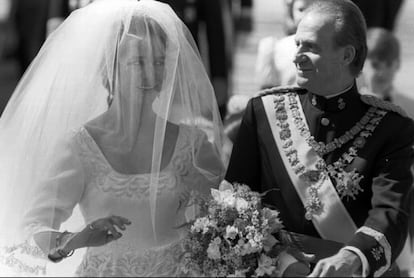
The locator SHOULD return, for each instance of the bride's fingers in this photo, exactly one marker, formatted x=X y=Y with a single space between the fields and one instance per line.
x=122 y=219
x=112 y=231
x=105 y=228
x=120 y=222
x=110 y=236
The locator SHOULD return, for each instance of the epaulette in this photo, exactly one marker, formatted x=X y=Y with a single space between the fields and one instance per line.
x=386 y=105
x=281 y=90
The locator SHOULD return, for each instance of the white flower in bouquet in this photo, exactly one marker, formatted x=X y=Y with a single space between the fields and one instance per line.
x=202 y=225
x=213 y=250
x=266 y=266
x=241 y=204
x=225 y=198
x=231 y=232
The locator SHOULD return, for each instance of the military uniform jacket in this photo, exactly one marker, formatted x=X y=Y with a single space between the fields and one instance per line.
x=380 y=211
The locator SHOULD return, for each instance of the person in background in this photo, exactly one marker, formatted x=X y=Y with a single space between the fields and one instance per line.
x=335 y=163
x=289 y=26
x=60 y=9
x=274 y=63
x=380 y=13
x=209 y=21
x=30 y=19
x=22 y=34
x=9 y=69
x=242 y=11
x=5 y=8
x=382 y=65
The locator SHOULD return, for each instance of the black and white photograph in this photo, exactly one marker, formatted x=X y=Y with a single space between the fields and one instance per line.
x=206 y=138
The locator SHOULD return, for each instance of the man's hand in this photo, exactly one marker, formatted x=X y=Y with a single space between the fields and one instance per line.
x=299 y=264
x=344 y=264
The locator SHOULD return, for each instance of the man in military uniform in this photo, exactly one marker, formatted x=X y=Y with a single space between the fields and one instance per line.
x=336 y=164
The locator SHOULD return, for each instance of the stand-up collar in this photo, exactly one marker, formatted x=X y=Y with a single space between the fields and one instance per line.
x=337 y=103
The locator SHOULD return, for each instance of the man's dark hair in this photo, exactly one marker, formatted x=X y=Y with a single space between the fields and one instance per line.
x=382 y=45
x=350 y=27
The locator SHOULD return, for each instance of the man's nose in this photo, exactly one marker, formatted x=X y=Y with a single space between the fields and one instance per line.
x=299 y=58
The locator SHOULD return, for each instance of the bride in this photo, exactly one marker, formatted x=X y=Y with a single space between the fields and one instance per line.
x=109 y=138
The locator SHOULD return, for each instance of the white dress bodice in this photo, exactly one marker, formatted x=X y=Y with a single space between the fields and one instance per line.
x=84 y=177
x=109 y=192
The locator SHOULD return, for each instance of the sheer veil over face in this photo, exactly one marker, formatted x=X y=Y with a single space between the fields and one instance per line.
x=128 y=72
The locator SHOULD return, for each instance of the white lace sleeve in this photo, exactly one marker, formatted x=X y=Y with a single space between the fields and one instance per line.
x=59 y=191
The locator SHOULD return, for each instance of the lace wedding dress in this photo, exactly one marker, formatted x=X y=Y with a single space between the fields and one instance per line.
x=101 y=191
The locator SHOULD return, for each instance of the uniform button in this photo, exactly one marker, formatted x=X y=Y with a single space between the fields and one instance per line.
x=325 y=121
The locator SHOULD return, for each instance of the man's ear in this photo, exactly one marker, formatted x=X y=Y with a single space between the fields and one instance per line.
x=349 y=54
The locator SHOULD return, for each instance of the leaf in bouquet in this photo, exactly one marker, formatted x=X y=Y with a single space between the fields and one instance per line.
x=268 y=242
x=264 y=193
x=250 y=261
x=225 y=185
x=270 y=206
x=240 y=224
x=209 y=268
x=273 y=220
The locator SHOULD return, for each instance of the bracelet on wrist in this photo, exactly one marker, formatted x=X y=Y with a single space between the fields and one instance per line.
x=58 y=253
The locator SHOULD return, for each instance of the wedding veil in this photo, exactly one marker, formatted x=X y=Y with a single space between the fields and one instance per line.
x=102 y=69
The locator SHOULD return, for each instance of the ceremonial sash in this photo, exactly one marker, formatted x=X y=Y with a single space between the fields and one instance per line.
x=333 y=223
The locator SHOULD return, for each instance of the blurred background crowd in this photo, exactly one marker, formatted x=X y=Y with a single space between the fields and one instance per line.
x=228 y=33
x=25 y=24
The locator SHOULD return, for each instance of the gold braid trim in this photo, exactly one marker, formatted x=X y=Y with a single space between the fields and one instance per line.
x=280 y=90
x=386 y=105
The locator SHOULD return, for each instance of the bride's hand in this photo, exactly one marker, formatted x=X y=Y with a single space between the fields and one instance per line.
x=103 y=231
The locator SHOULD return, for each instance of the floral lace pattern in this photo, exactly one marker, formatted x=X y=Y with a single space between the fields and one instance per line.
x=108 y=180
x=161 y=261
x=22 y=259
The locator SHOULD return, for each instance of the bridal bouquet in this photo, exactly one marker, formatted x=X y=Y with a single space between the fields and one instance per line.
x=234 y=238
